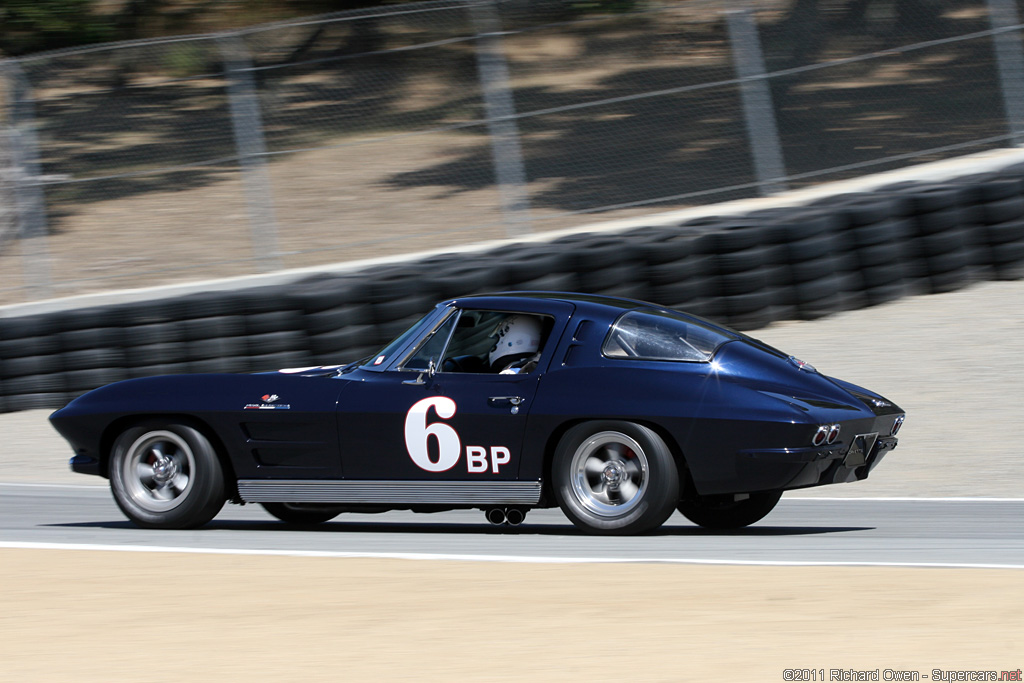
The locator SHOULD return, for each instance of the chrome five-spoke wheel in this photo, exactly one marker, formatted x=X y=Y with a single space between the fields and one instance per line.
x=166 y=475
x=157 y=470
x=613 y=477
x=610 y=474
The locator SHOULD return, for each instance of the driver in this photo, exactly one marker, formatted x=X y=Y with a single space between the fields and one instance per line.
x=517 y=345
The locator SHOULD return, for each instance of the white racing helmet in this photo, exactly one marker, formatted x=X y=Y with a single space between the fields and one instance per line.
x=518 y=337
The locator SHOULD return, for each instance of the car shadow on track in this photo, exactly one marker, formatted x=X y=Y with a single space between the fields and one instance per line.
x=470 y=529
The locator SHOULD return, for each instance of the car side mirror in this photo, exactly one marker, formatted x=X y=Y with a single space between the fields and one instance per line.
x=429 y=372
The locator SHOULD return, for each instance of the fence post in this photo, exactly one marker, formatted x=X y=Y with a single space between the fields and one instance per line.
x=501 y=123
x=252 y=150
x=1010 y=57
x=758 y=111
x=24 y=181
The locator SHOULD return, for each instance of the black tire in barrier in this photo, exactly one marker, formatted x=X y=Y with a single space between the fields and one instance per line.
x=746 y=282
x=670 y=247
x=93 y=338
x=36 y=401
x=396 y=282
x=409 y=305
x=217 y=347
x=746 y=259
x=552 y=282
x=270 y=362
x=155 y=354
x=30 y=346
x=938 y=197
x=207 y=305
x=1001 y=233
x=277 y=342
x=1008 y=253
x=230 y=364
x=675 y=295
x=470 y=278
x=52 y=383
x=88 y=359
x=337 y=318
x=160 y=369
x=884 y=232
x=343 y=338
x=735 y=238
x=323 y=293
x=991 y=187
x=868 y=209
x=1003 y=210
x=940 y=221
x=28 y=326
x=525 y=262
x=817 y=247
x=153 y=333
x=610 y=276
x=215 y=326
x=273 y=321
x=31 y=365
x=81 y=381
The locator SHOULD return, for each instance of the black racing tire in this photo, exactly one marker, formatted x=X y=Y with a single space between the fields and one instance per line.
x=166 y=476
x=1002 y=211
x=301 y=514
x=1010 y=253
x=1011 y=231
x=936 y=197
x=29 y=346
x=614 y=478
x=215 y=347
x=94 y=338
x=155 y=354
x=724 y=512
x=154 y=333
x=274 y=321
x=215 y=326
x=552 y=282
x=32 y=365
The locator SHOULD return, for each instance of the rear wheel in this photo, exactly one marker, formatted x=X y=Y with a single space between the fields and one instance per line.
x=725 y=512
x=302 y=514
x=614 y=477
x=166 y=476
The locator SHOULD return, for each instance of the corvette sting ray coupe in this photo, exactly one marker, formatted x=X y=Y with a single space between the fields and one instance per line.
x=617 y=411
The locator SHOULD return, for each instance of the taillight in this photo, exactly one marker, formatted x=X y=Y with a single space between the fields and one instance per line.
x=820 y=436
x=833 y=434
x=896 y=425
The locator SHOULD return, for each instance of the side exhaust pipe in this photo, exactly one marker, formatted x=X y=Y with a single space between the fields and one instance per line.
x=515 y=516
x=495 y=516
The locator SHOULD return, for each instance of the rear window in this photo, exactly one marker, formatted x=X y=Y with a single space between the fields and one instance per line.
x=662 y=335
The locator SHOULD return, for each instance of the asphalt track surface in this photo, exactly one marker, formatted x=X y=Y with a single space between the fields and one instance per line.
x=800 y=531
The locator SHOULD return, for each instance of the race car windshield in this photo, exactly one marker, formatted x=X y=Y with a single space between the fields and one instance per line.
x=662 y=335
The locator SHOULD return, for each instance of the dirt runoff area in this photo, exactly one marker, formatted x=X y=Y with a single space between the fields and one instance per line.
x=91 y=616
x=955 y=362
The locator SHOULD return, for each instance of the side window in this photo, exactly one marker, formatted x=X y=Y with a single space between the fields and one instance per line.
x=496 y=342
x=432 y=346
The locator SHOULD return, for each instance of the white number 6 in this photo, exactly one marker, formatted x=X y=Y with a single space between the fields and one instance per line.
x=418 y=433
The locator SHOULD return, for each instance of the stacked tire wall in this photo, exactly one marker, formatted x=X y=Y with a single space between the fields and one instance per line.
x=840 y=253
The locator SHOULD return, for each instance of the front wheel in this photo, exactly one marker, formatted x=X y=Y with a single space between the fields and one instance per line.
x=301 y=514
x=614 y=477
x=166 y=476
x=725 y=512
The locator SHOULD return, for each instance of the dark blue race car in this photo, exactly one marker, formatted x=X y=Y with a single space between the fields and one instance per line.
x=617 y=411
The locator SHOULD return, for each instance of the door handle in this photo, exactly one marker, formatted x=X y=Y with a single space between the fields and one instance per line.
x=503 y=400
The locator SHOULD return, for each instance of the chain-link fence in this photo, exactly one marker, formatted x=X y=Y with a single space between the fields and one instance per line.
x=428 y=125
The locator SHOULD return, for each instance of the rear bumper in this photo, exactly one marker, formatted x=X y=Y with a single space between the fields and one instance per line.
x=804 y=467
